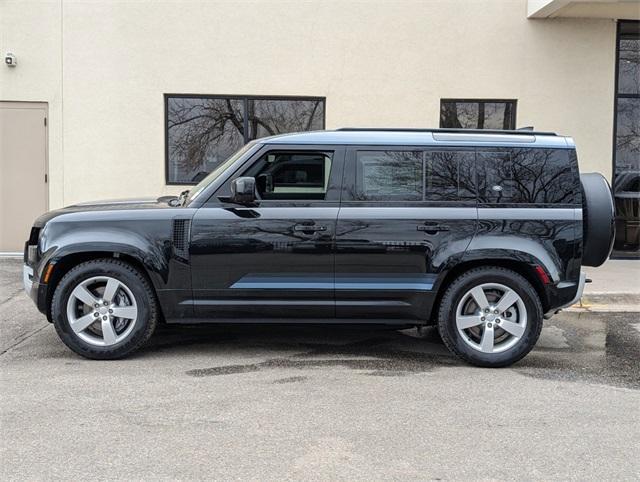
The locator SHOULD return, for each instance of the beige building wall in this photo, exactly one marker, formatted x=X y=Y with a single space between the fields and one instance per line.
x=103 y=67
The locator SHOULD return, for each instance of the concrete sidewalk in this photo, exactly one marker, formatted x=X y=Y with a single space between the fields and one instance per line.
x=615 y=286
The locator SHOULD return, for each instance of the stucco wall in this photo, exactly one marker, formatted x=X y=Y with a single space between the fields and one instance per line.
x=104 y=66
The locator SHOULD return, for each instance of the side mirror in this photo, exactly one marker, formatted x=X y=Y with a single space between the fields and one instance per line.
x=243 y=190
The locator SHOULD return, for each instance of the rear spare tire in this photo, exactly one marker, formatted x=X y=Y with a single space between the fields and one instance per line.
x=598 y=219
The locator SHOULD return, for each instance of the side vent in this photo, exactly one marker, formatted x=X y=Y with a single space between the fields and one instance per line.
x=181 y=232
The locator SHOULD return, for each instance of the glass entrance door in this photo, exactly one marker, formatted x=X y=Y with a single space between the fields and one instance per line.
x=626 y=155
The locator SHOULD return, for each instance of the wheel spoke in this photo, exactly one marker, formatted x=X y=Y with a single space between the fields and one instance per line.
x=510 y=327
x=108 y=332
x=82 y=323
x=110 y=289
x=486 y=344
x=84 y=295
x=507 y=300
x=467 y=321
x=129 y=312
x=479 y=297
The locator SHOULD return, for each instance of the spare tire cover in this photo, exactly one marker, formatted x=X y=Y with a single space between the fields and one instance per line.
x=598 y=219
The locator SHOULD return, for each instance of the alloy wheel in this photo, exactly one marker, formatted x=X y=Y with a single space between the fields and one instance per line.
x=491 y=318
x=102 y=311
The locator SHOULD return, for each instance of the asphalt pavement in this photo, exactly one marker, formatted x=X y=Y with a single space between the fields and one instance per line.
x=317 y=403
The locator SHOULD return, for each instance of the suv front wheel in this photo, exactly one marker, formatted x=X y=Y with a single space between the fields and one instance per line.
x=104 y=309
x=490 y=317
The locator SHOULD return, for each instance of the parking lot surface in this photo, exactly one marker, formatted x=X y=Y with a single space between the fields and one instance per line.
x=317 y=403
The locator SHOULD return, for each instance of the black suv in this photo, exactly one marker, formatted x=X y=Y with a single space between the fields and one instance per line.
x=481 y=233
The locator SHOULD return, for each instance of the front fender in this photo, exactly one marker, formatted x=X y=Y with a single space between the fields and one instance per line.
x=153 y=253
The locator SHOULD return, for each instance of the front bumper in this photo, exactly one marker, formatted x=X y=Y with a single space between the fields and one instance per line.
x=37 y=291
x=27 y=278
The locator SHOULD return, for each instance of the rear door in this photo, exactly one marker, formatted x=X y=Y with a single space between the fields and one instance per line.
x=405 y=214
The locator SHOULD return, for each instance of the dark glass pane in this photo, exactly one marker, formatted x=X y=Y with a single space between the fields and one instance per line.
x=271 y=117
x=530 y=176
x=495 y=176
x=389 y=176
x=202 y=133
x=628 y=135
x=629 y=66
x=477 y=115
x=459 y=115
x=449 y=176
x=292 y=175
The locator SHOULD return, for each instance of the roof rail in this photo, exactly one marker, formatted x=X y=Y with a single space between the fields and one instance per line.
x=447 y=130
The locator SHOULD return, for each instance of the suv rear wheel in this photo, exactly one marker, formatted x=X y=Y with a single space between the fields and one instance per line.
x=490 y=317
x=104 y=309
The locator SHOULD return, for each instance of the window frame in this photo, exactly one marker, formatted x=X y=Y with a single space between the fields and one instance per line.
x=334 y=187
x=514 y=110
x=245 y=103
x=617 y=95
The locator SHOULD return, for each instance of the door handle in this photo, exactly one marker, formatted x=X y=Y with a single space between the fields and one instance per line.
x=432 y=228
x=309 y=228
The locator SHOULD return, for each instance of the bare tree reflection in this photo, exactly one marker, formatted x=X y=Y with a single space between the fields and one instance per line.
x=476 y=115
x=204 y=131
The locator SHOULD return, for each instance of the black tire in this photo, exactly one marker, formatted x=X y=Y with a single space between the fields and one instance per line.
x=137 y=283
x=598 y=219
x=460 y=287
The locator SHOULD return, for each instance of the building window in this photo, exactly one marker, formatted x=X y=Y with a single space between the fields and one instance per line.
x=626 y=151
x=477 y=114
x=202 y=131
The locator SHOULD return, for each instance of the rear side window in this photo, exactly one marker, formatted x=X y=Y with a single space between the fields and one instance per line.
x=389 y=176
x=526 y=176
x=424 y=175
x=450 y=175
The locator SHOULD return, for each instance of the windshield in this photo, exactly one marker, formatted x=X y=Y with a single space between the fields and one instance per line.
x=198 y=188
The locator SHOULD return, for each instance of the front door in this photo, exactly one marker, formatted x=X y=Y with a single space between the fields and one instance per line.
x=275 y=259
x=404 y=213
x=23 y=170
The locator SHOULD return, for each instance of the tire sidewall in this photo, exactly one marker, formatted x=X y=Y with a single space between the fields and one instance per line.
x=447 y=318
x=133 y=280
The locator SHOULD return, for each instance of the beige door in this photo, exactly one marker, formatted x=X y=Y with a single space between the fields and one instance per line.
x=23 y=170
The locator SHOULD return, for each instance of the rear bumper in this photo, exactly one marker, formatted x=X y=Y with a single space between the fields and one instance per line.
x=581 y=283
x=566 y=301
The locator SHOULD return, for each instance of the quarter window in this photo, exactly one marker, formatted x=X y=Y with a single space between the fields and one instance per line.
x=203 y=131
x=529 y=176
x=477 y=114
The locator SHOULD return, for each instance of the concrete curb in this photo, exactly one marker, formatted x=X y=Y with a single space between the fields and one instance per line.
x=608 y=302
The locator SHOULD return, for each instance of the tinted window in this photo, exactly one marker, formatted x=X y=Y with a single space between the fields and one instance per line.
x=478 y=114
x=540 y=176
x=389 y=176
x=203 y=131
x=292 y=175
x=449 y=175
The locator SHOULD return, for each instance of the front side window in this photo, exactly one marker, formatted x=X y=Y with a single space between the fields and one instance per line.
x=292 y=175
x=203 y=131
x=477 y=114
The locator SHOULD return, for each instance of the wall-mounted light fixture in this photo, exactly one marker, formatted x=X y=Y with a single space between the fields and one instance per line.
x=10 y=59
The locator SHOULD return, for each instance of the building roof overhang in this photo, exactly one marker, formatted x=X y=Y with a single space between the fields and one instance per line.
x=613 y=9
